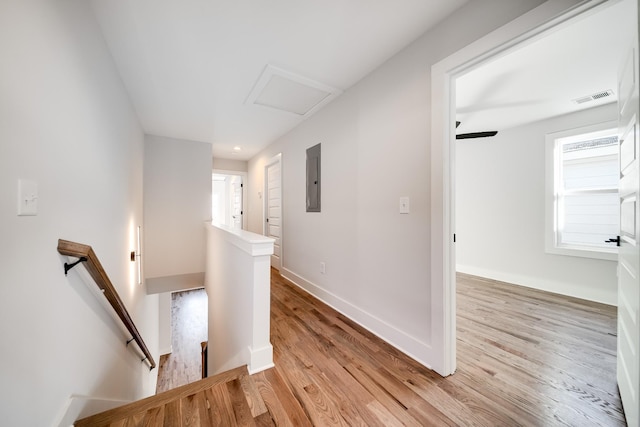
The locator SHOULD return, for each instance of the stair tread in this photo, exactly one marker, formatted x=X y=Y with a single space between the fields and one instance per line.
x=151 y=406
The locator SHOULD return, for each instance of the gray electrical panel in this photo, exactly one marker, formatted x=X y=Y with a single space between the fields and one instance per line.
x=313 y=179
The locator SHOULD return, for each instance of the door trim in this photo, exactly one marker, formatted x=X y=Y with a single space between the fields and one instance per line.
x=272 y=161
x=524 y=29
x=244 y=176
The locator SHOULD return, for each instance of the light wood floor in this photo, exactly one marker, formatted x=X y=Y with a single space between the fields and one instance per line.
x=536 y=358
x=524 y=358
x=188 y=330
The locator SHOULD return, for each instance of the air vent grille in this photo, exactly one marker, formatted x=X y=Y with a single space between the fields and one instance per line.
x=602 y=94
x=593 y=97
x=583 y=100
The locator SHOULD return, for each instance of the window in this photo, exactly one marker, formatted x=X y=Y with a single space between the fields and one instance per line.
x=582 y=186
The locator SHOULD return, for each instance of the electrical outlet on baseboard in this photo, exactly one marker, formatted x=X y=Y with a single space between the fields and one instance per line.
x=323 y=268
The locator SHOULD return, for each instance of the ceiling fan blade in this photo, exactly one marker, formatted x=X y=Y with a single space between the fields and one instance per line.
x=476 y=135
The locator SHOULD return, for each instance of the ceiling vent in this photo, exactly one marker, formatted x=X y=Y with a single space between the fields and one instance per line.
x=593 y=97
x=286 y=91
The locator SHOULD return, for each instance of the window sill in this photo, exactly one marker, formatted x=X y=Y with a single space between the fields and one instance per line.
x=604 y=254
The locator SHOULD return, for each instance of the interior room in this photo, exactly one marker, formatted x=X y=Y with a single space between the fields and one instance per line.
x=300 y=165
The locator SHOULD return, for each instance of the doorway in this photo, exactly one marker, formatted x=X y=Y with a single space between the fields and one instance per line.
x=228 y=198
x=506 y=220
x=273 y=223
x=524 y=30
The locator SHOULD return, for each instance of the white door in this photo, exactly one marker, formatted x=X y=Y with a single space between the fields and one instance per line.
x=628 y=353
x=236 y=202
x=227 y=199
x=273 y=205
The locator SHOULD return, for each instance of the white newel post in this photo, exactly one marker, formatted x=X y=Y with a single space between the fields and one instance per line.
x=238 y=284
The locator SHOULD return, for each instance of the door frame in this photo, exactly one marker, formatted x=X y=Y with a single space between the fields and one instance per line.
x=627 y=358
x=272 y=161
x=525 y=29
x=244 y=176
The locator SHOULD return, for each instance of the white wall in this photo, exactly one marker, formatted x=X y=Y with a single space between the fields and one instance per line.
x=229 y=165
x=238 y=290
x=375 y=149
x=165 y=337
x=66 y=122
x=220 y=201
x=500 y=212
x=177 y=202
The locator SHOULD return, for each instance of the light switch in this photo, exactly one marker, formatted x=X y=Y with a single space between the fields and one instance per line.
x=27 y=197
x=404 y=205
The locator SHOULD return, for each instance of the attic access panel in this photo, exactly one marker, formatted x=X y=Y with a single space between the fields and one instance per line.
x=313 y=179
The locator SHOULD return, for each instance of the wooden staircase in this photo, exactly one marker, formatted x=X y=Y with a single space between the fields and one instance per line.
x=227 y=399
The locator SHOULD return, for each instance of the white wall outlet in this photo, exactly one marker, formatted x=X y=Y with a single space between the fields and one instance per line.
x=323 y=268
x=404 y=205
x=27 y=197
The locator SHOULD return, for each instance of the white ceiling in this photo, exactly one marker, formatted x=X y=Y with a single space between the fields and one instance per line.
x=540 y=80
x=190 y=65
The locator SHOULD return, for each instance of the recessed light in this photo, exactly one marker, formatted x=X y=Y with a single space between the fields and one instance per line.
x=237 y=149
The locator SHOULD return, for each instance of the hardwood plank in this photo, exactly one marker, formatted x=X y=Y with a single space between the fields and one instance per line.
x=562 y=358
x=213 y=411
x=105 y=418
x=506 y=386
x=188 y=330
x=190 y=411
x=136 y=420
x=252 y=395
x=243 y=416
x=154 y=417
x=220 y=407
x=284 y=407
x=264 y=420
x=525 y=357
x=383 y=415
x=353 y=397
x=322 y=410
x=172 y=413
x=383 y=396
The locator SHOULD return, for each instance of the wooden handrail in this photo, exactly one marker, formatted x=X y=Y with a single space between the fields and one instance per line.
x=98 y=274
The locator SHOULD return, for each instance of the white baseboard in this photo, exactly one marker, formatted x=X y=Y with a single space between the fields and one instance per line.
x=260 y=359
x=166 y=350
x=556 y=287
x=409 y=345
